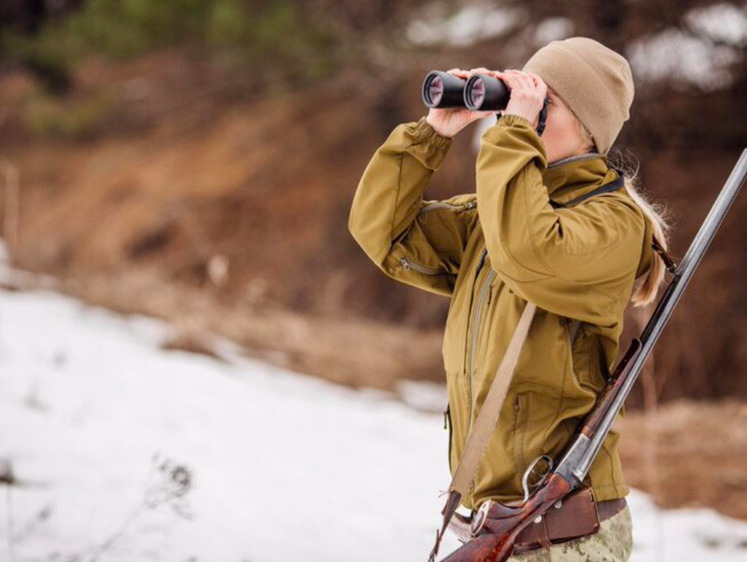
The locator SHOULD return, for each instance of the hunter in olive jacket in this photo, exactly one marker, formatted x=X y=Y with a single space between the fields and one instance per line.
x=490 y=252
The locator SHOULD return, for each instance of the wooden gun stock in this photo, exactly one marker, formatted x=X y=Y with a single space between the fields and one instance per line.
x=495 y=541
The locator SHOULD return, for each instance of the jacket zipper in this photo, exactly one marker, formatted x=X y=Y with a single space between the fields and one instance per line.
x=408 y=265
x=519 y=434
x=447 y=421
x=475 y=326
x=445 y=205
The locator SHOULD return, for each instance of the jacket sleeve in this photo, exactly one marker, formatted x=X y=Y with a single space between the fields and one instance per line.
x=416 y=241
x=577 y=262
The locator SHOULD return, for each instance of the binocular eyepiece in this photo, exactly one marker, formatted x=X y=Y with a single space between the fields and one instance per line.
x=480 y=92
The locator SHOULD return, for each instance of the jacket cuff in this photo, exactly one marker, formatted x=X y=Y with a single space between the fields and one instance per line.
x=424 y=132
x=427 y=145
x=513 y=119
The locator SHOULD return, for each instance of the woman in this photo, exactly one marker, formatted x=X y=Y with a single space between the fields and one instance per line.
x=513 y=241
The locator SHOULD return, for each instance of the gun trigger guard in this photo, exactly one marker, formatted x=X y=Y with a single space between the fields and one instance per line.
x=528 y=472
x=480 y=516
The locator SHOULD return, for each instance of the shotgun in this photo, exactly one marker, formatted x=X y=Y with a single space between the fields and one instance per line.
x=495 y=540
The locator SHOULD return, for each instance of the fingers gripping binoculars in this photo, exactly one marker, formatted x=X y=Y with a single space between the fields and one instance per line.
x=480 y=92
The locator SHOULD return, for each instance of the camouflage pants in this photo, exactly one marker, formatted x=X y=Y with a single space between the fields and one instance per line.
x=612 y=543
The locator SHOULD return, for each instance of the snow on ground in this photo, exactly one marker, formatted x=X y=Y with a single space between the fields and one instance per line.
x=281 y=466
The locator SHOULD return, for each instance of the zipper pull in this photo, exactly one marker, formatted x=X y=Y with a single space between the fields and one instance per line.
x=470 y=204
x=405 y=264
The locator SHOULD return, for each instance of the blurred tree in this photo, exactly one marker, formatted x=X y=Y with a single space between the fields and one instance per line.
x=25 y=19
x=273 y=38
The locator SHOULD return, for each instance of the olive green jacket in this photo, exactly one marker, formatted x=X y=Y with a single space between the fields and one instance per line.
x=490 y=252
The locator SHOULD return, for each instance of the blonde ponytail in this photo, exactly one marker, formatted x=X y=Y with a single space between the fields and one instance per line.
x=647 y=285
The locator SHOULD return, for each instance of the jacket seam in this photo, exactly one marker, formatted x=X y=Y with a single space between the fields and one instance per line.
x=526 y=224
x=396 y=199
x=525 y=419
x=515 y=259
x=562 y=391
x=612 y=464
x=590 y=353
x=560 y=402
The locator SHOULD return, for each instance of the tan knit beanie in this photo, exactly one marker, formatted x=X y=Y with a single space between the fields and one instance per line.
x=594 y=81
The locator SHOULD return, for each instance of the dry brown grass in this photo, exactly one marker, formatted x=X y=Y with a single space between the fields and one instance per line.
x=689 y=454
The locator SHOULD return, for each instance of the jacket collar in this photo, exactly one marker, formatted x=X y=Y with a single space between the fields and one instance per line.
x=576 y=175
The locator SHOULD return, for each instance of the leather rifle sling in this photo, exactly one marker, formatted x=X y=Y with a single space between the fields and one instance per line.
x=486 y=421
x=491 y=408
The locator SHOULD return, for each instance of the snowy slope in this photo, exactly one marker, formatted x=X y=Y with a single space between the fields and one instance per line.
x=283 y=466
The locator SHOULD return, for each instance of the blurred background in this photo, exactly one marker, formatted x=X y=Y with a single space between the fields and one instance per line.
x=194 y=161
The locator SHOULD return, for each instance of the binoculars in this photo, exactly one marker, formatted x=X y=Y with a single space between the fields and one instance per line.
x=480 y=92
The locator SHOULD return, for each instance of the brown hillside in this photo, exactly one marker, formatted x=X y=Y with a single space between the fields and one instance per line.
x=222 y=211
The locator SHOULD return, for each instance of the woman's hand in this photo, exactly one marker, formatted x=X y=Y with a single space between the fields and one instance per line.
x=449 y=121
x=528 y=93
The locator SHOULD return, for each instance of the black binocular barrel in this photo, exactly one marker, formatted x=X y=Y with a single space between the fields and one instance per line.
x=441 y=89
x=478 y=93
x=485 y=93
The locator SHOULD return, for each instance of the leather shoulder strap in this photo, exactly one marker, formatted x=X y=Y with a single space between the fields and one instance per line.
x=486 y=421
